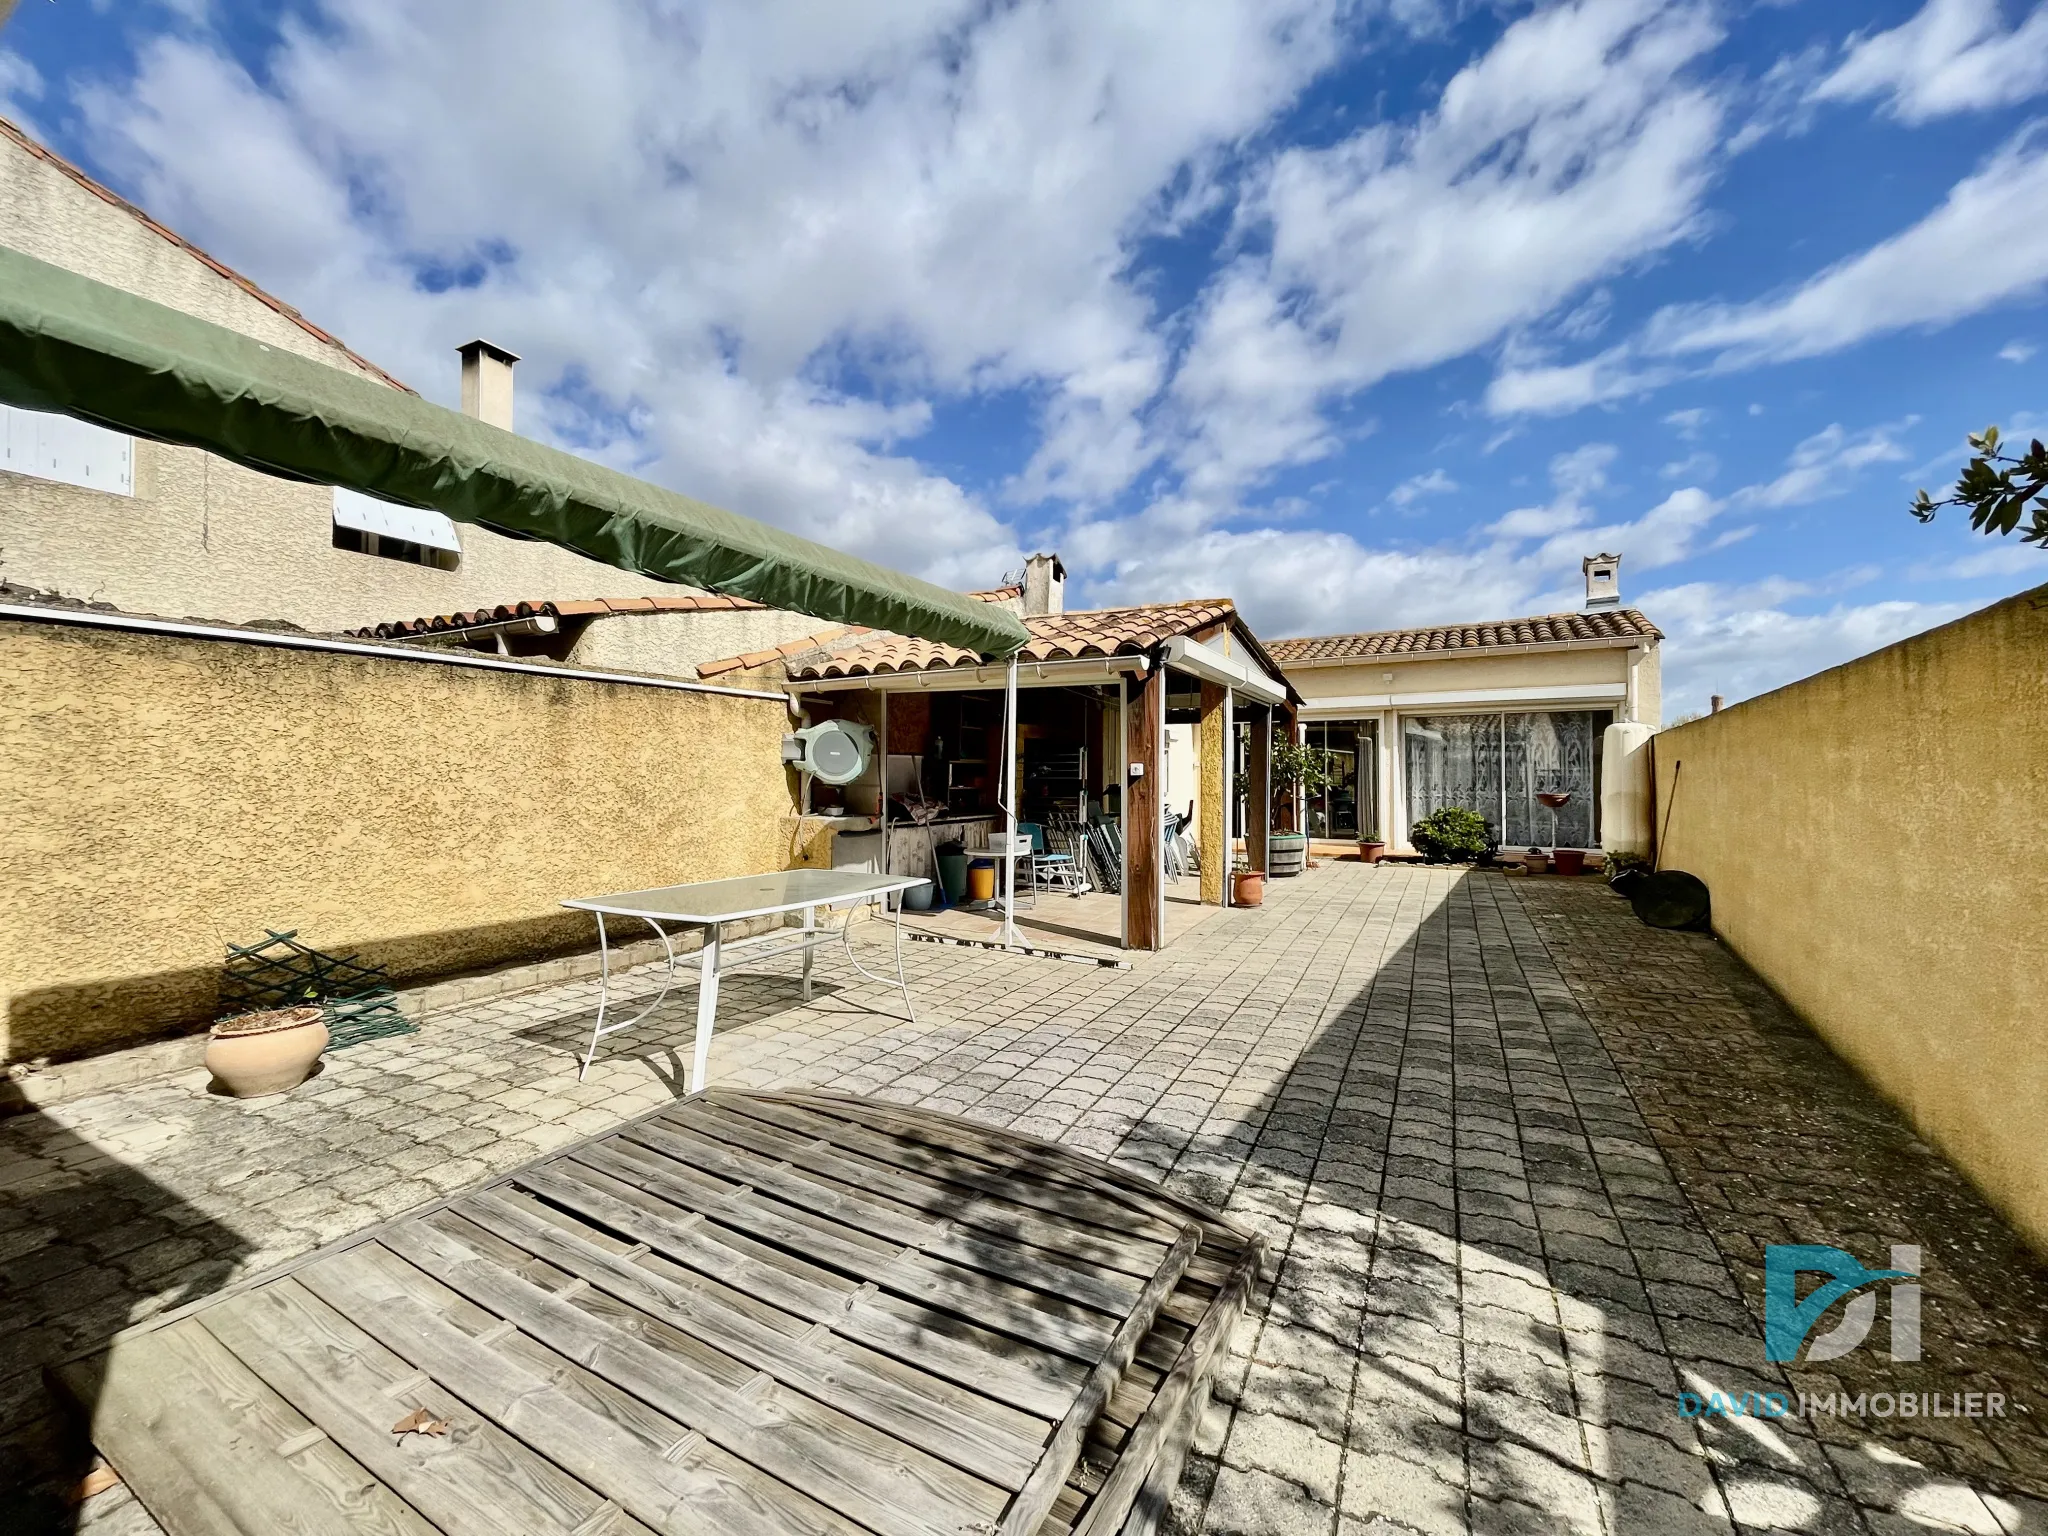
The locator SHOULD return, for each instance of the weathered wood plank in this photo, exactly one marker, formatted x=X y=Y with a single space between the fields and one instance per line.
x=1166 y=1428
x=1025 y=1378
x=691 y=1495
x=1004 y=1151
x=199 y=1435
x=1108 y=1215
x=1001 y=1151
x=1042 y=1320
x=476 y=1481
x=889 y=1485
x=868 y=1213
x=967 y=1429
x=1126 y=1253
x=1035 y=1500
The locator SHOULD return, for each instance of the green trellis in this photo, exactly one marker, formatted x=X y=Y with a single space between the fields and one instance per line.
x=280 y=972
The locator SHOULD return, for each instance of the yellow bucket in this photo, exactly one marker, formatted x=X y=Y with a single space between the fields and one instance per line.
x=981 y=881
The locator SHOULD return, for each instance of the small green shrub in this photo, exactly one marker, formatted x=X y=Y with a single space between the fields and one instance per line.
x=1451 y=836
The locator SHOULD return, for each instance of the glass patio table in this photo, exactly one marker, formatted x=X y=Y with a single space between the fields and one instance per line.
x=709 y=905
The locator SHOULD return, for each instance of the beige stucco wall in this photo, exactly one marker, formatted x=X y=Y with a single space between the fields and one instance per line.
x=1871 y=837
x=1539 y=678
x=166 y=796
x=202 y=538
x=1485 y=670
x=676 y=644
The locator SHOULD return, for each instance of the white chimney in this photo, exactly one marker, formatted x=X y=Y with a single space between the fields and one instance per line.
x=1603 y=580
x=1045 y=585
x=487 y=382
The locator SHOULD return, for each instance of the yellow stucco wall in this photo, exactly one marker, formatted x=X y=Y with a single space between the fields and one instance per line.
x=165 y=796
x=1871 y=837
x=1213 y=802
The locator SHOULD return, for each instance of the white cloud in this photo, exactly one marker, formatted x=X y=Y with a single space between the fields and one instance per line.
x=1415 y=487
x=20 y=84
x=732 y=230
x=1573 y=148
x=1824 y=464
x=1742 y=640
x=1559 y=389
x=1698 y=465
x=1687 y=423
x=1952 y=56
x=1980 y=248
x=2016 y=351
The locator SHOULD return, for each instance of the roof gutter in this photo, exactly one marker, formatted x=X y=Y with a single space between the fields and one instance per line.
x=532 y=624
x=1214 y=666
x=1030 y=674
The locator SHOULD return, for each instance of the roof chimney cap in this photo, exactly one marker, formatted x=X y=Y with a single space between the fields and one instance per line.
x=489 y=349
x=487 y=382
x=1603 y=580
x=1045 y=585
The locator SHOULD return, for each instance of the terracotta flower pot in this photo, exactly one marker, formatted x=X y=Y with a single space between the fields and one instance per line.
x=1249 y=890
x=1370 y=849
x=1568 y=861
x=260 y=1054
x=1536 y=862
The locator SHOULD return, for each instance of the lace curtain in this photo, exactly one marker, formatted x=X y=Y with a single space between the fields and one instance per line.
x=1498 y=764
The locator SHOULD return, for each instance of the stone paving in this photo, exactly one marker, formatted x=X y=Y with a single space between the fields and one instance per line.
x=1515 y=1156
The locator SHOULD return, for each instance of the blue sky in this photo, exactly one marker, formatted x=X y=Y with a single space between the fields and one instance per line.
x=1365 y=314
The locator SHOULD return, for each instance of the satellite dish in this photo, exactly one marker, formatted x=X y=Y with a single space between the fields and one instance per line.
x=836 y=752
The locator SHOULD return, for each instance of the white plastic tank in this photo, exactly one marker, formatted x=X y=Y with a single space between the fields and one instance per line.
x=1625 y=788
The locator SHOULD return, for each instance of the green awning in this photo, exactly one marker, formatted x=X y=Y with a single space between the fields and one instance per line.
x=73 y=345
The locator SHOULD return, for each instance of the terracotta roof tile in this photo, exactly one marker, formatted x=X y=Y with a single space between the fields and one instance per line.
x=1545 y=629
x=41 y=152
x=1054 y=637
x=575 y=609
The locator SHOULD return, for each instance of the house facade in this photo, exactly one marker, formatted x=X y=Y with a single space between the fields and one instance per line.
x=154 y=528
x=1485 y=716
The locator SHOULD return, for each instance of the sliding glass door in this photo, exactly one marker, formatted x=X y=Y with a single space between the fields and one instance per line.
x=1353 y=746
x=1503 y=766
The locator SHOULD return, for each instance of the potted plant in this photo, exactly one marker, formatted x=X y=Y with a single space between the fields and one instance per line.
x=259 y=1054
x=1450 y=836
x=1247 y=885
x=1297 y=769
x=1536 y=861
x=1370 y=849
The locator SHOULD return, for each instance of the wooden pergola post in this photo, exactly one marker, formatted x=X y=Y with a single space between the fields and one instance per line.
x=1144 y=802
x=1214 y=733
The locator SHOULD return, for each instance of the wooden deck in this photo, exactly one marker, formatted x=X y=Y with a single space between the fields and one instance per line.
x=744 y=1313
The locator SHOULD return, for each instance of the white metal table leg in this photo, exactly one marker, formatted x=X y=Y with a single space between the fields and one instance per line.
x=902 y=981
x=604 y=996
x=707 y=1007
x=810 y=931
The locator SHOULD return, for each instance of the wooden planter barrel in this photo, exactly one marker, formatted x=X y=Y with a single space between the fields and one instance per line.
x=1286 y=854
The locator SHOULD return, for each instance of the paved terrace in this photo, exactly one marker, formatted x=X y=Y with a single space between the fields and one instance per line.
x=1517 y=1158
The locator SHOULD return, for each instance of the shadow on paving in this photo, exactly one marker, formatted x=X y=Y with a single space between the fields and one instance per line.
x=664 y=1038
x=88 y=1244
x=1516 y=1186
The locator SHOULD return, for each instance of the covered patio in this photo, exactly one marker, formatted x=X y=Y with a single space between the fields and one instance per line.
x=1485 y=1125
